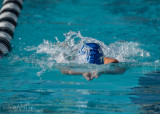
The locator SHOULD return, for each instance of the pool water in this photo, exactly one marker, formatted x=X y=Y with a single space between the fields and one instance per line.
x=47 y=39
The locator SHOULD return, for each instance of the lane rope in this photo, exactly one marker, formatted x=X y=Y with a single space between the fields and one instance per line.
x=9 y=14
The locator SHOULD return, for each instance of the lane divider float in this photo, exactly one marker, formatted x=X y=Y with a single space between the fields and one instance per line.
x=9 y=14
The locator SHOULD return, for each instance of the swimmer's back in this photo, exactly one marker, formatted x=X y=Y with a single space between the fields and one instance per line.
x=108 y=60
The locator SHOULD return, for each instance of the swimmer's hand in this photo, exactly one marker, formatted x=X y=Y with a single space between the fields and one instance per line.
x=89 y=76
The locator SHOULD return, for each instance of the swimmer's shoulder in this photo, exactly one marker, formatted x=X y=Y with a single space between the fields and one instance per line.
x=108 y=60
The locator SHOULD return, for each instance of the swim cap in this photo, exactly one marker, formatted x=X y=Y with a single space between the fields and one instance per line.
x=92 y=53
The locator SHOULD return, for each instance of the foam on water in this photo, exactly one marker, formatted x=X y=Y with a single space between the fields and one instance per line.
x=64 y=54
x=67 y=51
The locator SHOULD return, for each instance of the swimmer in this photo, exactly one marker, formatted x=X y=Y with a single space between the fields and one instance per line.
x=92 y=53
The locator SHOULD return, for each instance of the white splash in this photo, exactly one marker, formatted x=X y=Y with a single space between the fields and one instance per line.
x=67 y=50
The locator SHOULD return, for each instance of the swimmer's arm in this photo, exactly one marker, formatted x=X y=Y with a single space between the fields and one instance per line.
x=87 y=75
x=71 y=72
x=116 y=71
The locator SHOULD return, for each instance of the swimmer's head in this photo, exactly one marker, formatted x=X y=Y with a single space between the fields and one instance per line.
x=92 y=53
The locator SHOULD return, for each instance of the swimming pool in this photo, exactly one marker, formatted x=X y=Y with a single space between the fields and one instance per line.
x=29 y=77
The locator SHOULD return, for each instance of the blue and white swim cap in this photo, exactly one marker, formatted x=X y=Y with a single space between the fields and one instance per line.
x=92 y=53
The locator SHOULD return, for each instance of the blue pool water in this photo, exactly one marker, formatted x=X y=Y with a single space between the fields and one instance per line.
x=48 y=35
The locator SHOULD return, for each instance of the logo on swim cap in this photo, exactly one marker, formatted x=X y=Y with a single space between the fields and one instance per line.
x=92 y=53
